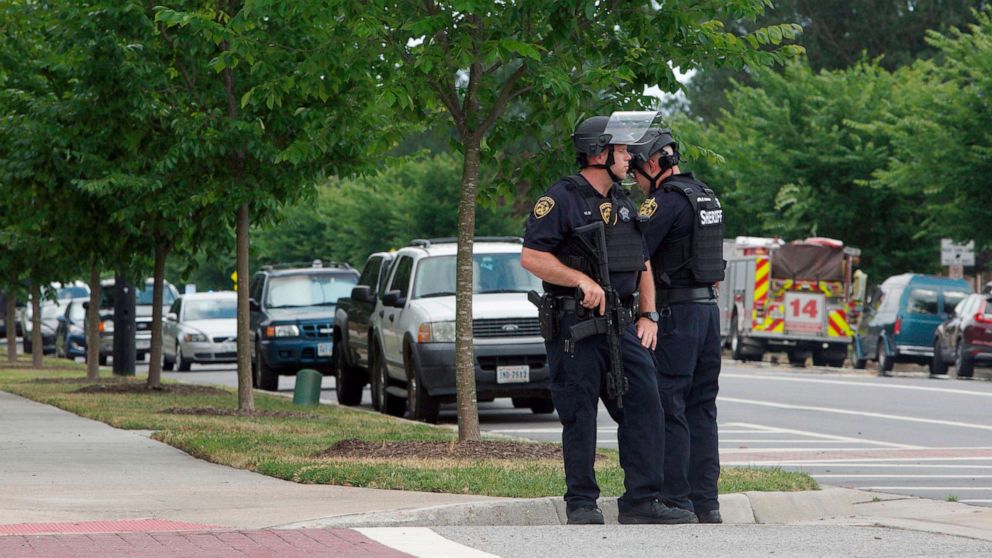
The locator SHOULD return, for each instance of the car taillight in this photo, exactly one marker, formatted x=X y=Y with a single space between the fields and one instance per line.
x=898 y=327
x=983 y=318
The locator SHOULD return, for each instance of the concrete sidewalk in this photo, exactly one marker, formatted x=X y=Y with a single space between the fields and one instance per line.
x=57 y=467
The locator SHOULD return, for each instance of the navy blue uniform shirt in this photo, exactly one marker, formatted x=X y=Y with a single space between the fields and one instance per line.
x=672 y=218
x=560 y=211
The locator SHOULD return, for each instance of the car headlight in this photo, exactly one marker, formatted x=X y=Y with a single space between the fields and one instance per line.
x=282 y=331
x=194 y=337
x=106 y=326
x=436 y=332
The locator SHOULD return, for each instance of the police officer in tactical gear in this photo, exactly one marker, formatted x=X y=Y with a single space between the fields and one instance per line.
x=554 y=253
x=684 y=236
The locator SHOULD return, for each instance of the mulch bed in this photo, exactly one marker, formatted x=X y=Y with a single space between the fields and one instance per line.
x=79 y=380
x=142 y=388
x=26 y=365
x=212 y=411
x=442 y=450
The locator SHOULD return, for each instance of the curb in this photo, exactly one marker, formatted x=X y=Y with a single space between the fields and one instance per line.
x=829 y=506
x=741 y=508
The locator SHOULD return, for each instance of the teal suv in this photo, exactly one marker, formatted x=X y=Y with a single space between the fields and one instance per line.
x=292 y=318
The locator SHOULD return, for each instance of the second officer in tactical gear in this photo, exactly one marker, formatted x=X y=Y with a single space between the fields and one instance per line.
x=555 y=251
x=684 y=236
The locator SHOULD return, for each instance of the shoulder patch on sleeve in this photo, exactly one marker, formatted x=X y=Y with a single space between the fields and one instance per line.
x=648 y=208
x=543 y=206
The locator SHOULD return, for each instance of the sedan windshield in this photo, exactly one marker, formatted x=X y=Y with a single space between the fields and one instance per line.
x=324 y=289
x=491 y=273
x=211 y=309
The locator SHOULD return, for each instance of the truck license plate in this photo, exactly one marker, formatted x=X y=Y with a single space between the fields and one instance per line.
x=324 y=349
x=513 y=374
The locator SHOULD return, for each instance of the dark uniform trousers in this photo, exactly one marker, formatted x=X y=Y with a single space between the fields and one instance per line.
x=578 y=382
x=688 y=355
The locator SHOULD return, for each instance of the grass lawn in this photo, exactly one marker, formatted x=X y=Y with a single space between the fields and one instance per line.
x=287 y=447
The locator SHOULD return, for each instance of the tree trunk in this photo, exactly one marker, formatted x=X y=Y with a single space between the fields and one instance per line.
x=93 y=326
x=11 y=322
x=37 y=350
x=155 y=349
x=246 y=401
x=468 y=409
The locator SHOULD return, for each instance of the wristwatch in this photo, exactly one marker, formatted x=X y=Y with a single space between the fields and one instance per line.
x=653 y=316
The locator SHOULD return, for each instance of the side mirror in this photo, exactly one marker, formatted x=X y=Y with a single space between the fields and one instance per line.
x=253 y=305
x=393 y=298
x=362 y=293
x=171 y=316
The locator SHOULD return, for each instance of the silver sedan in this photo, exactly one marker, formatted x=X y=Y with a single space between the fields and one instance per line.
x=200 y=328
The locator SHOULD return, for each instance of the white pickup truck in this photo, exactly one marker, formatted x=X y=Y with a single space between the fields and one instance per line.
x=412 y=339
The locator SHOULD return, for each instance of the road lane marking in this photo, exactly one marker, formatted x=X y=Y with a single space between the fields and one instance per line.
x=830 y=436
x=824 y=464
x=858 y=384
x=836 y=411
x=975 y=501
x=833 y=460
x=780 y=441
x=923 y=476
x=928 y=488
x=421 y=542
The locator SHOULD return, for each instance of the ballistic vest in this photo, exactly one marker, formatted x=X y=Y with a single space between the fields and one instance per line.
x=623 y=237
x=696 y=257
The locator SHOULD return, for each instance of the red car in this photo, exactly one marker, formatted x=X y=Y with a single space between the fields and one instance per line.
x=965 y=338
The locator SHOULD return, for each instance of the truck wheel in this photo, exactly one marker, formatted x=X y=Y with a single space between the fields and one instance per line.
x=184 y=364
x=797 y=359
x=388 y=404
x=540 y=406
x=349 y=382
x=964 y=363
x=736 y=346
x=102 y=359
x=856 y=354
x=938 y=366
x=884 y=360
x=167 y=364
x=420 y=405
x=265 y=379
x=520 y=402
x=27 y=347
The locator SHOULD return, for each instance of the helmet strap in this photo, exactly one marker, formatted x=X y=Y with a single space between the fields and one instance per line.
x=608 y=166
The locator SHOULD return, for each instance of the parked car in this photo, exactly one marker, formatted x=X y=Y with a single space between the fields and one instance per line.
x=353 y=329
x=411 y=354
x=200 y=328
x=142 y=312
x=70 y=335
x=292 y=312
x=899 y=320
x=965 y=338
x=50 y=312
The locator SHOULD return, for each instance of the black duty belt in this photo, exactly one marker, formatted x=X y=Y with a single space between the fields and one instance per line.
x=667 y=297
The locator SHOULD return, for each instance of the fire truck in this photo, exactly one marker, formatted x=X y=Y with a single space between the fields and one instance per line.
x=801 y=298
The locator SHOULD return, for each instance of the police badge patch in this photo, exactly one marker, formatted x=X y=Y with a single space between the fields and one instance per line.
x=648 y=208
x=625 y=214
x=543 y=206
x=605 y=210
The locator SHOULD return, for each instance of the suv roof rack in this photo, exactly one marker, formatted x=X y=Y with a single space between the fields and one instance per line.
x=313 y=264
x=428 y=242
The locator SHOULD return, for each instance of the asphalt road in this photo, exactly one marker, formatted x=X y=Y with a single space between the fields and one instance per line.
x=908 y=434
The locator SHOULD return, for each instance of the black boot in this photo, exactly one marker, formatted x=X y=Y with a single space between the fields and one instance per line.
x=709 y=516
x=654 y=512
x=586 y=515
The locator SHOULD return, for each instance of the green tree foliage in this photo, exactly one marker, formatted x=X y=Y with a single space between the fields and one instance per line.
x=838 y=34
x=799 y=162
x=414 y=197
x=941 y=133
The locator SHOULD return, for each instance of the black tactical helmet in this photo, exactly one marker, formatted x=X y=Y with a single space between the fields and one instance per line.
x=590 y=137
x=653 y=141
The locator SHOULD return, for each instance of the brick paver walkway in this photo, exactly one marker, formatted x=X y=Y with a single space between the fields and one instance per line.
x=273 y=543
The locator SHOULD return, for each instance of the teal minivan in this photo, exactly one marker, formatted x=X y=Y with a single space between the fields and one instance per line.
x=901 y=316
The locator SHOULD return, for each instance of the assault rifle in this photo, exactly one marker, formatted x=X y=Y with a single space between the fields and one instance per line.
x=612 y=323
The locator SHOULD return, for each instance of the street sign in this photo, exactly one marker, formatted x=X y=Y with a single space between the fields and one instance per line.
x=952 y=253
